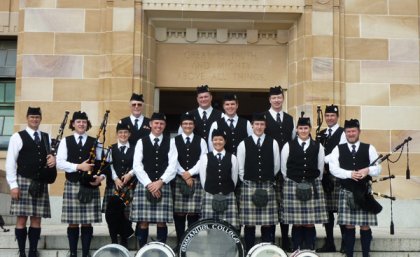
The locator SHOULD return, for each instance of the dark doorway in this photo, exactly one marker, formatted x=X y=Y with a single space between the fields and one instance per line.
x=173 y=103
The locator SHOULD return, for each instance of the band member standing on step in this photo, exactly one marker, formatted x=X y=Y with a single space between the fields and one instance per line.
x=280 y=127
x=154 y=166
x=350 y=162
x=302 y=164
x=138 y=123
x=72 y=157
x=218 y=175
x=259 y=162
x=121 y=176
x=235 y=127
x=188 y=190
x=330 y=137
x=25 y=155
x=205 y=114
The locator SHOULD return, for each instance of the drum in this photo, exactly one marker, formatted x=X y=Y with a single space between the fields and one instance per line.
x=304 y=253
x=211 y=238
x=112 y=250
x=155 y=249
x=266 y=250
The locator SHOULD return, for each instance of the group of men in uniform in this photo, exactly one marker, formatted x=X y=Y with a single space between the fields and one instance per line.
x=249 y=174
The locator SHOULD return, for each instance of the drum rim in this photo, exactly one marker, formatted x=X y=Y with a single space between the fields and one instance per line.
x=162 y=246
x=312 y=253
x=256 y=249
x=239 y=245
x=119 y=247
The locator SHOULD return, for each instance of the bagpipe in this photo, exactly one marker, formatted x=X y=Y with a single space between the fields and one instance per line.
x=86 y=177
x=47 y=175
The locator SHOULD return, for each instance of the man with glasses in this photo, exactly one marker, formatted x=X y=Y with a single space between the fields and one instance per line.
x=139 y=124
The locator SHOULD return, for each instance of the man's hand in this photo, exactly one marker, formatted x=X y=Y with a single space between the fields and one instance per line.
x=127 y=177
x=118 y=184
x=85 y=166
x=188 y=178
x=15 y=193
x=97 y=181
x=50 y=160
x=359 y=174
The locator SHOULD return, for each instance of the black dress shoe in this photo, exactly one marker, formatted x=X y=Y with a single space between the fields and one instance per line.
x=342 y=248
x=327 y=248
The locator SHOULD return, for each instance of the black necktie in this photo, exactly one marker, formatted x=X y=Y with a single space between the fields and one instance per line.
x=188 y=142
x=219 y=157
x=329 y=133
x=353 y=150
x=80 y=144
x=278 y=118
x=136 y=124
x=36 y=138
x=303 y=146
x=156 y=145
x=122 y=148
x=204 y=118
x=259 y=142
x=231 y=124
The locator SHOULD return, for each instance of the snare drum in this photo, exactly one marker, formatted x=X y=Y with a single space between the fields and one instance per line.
x=304 y=253
x=155 y=249
x=210 y=238
x=266 y=250
x=112 y=250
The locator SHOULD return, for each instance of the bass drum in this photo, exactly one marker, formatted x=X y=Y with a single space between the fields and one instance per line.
x=211 y=238
x=304 y=253
x=155 y=249
x=266 y=250
x=112 y=250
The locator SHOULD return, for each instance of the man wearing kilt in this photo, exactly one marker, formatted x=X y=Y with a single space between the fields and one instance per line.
x=302 y=164
x=138 y=123
x=330 y=137
x=259 y=162
x=72 y=157
x=350 y=162
x=121 y=176
x=154 y=165
x=205 y=114
x=218 y=175
x=188 y=190
x=279 y=125
x=25 y=155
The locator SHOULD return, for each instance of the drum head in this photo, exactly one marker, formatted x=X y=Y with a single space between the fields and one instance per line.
x=155 y=249
x=305 y=253
x=266 y=250
x=112 y=250
x=211 y=238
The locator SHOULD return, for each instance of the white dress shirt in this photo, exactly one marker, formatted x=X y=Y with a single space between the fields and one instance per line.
x=337 y=171
x=285 y=156
x=226 y=118
x=138 y=167
x=203 y=167
x=114 y=173
x=241 y=155
x=274 y=115
x=15 y=145
x=203 y=146
x=139 y=122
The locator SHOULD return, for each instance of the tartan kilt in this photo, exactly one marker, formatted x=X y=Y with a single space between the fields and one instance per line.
x=250 y=214
x=109 y=191
x=185 y=204
x=75 y=212
x=230 y=215
x=278 y=189
x=28 y=206
x=299 y=212
x=142 y=210
x=359 y=217
x=331 y=200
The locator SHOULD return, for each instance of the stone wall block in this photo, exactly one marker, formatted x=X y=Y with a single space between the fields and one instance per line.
x=54 y=20
x=389 y=26
x=393 y=118
x=389 y=72
x=367 y=94
x=366 y=7
x=56 y=66
x=79 y=43
x=405 y=95
x=37 y=89
x=366 y=49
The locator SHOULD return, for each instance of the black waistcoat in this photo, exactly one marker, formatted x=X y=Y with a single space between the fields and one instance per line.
x=234 y=137
x=303 y=164
x=75 y=154
x=188 y=156
x=31 y=157
x=122 y=162
x=282 y=134
x=155 y=161
x=219 y=175
x=348 y=162
x=137 y=134
x=203 y=129
x=259 y=162
x=330 y=143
